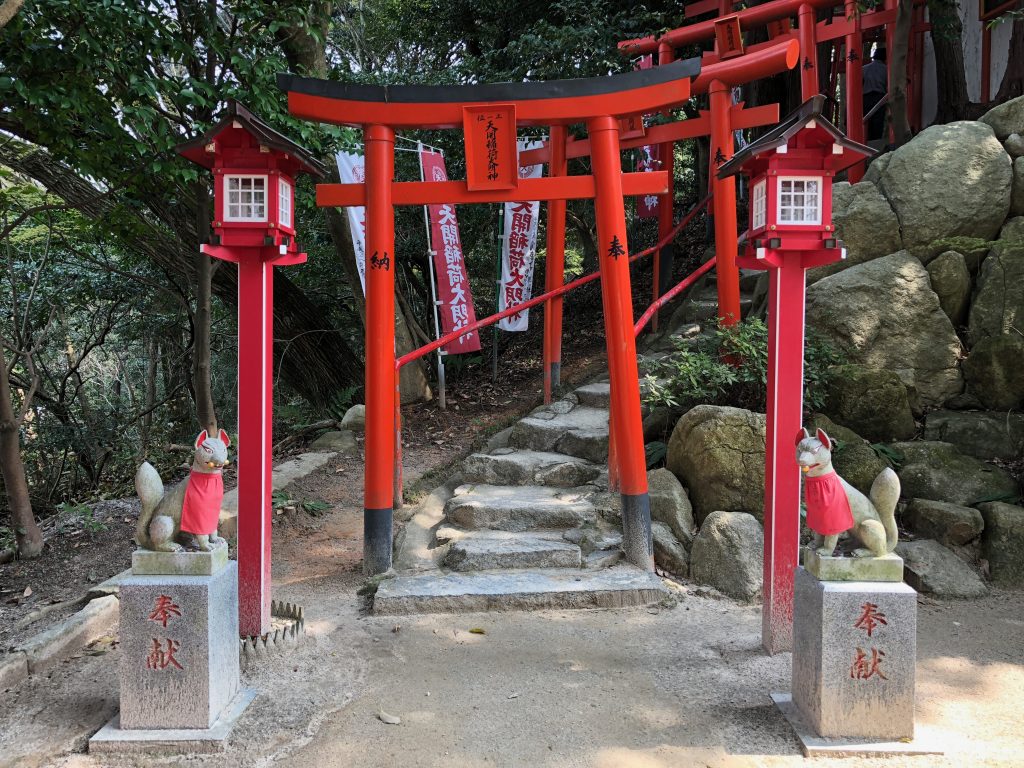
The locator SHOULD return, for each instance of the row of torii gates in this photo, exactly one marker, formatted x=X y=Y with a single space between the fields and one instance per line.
x=489 y=115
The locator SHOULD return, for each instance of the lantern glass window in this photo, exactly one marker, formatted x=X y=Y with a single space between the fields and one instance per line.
x=245 y=198
x=799 y=200
x=284 y=203
x=758 y=217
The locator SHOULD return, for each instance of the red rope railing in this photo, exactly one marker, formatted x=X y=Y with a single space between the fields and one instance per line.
x=670 y=294
x=426 y=349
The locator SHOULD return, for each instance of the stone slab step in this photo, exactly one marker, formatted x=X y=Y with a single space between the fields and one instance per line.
x=489 y=550
x=595 y=395
x=517 y=508
x=581 y=432
x=507 y=466
x=618 y=587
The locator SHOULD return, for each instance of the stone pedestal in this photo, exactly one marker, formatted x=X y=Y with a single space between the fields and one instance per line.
x=854 y=652
x=179 y=653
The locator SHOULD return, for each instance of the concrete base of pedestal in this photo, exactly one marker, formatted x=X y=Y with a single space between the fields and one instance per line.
x=112 y=738
x=887 y=568
x=813 y=745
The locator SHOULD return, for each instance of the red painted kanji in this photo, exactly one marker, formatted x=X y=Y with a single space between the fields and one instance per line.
x=161 y=656
x=164 y=609
x=864 y=669
x=870 y=618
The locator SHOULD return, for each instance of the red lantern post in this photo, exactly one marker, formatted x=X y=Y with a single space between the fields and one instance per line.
x=254 y=170
x=790 y=170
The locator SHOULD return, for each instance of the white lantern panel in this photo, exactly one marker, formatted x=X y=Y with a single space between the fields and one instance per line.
x=284 y=203
x=245 y=198
x=799 y=200
x=759 y=202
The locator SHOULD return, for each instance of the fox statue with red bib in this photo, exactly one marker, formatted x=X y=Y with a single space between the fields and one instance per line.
x=834 y=506
x=186 y=516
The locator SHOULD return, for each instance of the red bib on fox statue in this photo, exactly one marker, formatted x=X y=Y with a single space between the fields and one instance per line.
x=828 y=508
x=200 y=510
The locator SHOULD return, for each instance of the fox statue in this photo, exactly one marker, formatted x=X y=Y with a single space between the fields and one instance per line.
x=834 y=506
x=188 y=513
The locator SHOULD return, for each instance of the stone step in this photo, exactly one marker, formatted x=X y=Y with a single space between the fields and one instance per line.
x=527 y=589
x=595 y=395
x=581 y=432
x=517 y=508
x=507 y=466
x=488 y=550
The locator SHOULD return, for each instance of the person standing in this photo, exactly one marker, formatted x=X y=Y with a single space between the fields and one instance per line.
x=876 y=85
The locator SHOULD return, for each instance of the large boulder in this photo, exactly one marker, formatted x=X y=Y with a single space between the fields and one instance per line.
x=1006 y=118
x=355 y=418
x=981 y=434
x=952 y=179
x=951 y=282
x=995 y=372
x=1014 y=145
x=866 y=224
x=886 y=316
x=718 y=453
x=998 y=305
x=341 y=441
x=670 y=504
x=1003 y=542
x=728 y=554
x=853 y=459
x=871 y=401
x=877 y=167
x=949 y=524
x=669 y=553
x=930 y=567
x=1017 y=191
x=1013 y=230
x=938 y=471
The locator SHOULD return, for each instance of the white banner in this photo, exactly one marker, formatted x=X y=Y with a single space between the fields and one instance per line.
x=519 y=250
x=352 y=171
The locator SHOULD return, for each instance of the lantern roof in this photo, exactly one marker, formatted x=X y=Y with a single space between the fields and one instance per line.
x=236 y=116
x=815 y=130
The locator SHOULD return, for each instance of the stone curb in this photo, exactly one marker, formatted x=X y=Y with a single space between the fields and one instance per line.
x=44 y=650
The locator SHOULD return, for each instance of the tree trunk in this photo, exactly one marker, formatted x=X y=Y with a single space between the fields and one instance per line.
x=7 y=10
x=951 y=80
x=201 y=379
x=27 y=535
x=898 y=73
x=1013 y=79
x=152 y=353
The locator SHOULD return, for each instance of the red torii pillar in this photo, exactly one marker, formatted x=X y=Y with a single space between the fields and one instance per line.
x=554 y=267
x=492 y=176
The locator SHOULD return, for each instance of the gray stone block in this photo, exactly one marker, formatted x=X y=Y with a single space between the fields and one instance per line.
x=147 y=563
x=484 y=550
x=179 y=649
x=888 y=568
x=13 y=669
x=854 y=656
x=516 y=508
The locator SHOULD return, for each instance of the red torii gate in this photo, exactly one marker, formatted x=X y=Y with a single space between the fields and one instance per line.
x=489 y=115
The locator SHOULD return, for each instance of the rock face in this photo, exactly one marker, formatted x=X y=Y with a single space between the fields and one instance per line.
x=995 y=372
x=718 y=453
x=728 y=554
x=950 y=180
x=982 y=434
x=886 y=315
x=877 y=168
x=1003 y=542
x=1007 y=118
x=669 y=553
x=952 y=284
x=872 y=402
x=930 y=567
x=998 y=304
x=864 y=222
x=670 y=505
x=342 y=441
x=854 y=461
x=949 y=524
x=1014 y=145
x=1017 y=192
x=938 y=471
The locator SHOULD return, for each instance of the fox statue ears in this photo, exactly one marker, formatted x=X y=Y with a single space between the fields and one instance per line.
x=822 y=436
x=223 y=437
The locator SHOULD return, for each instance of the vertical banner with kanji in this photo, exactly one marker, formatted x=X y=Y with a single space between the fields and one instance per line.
x=650 y=160
x=456 y=308
x=519 y=249
x=352 y=171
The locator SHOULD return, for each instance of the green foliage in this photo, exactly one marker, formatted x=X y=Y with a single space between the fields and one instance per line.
x=312 y=507
x=892 y=457
x=655 y=452
x=730 y=367
x=80 y=516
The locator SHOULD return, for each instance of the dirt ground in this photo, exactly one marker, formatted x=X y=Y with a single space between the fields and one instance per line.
x=683 y=684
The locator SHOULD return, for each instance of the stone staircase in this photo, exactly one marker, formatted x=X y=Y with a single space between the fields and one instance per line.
x=531 y=526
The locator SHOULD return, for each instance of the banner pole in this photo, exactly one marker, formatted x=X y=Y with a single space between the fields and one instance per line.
x=497 y=290
x=431 y=253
